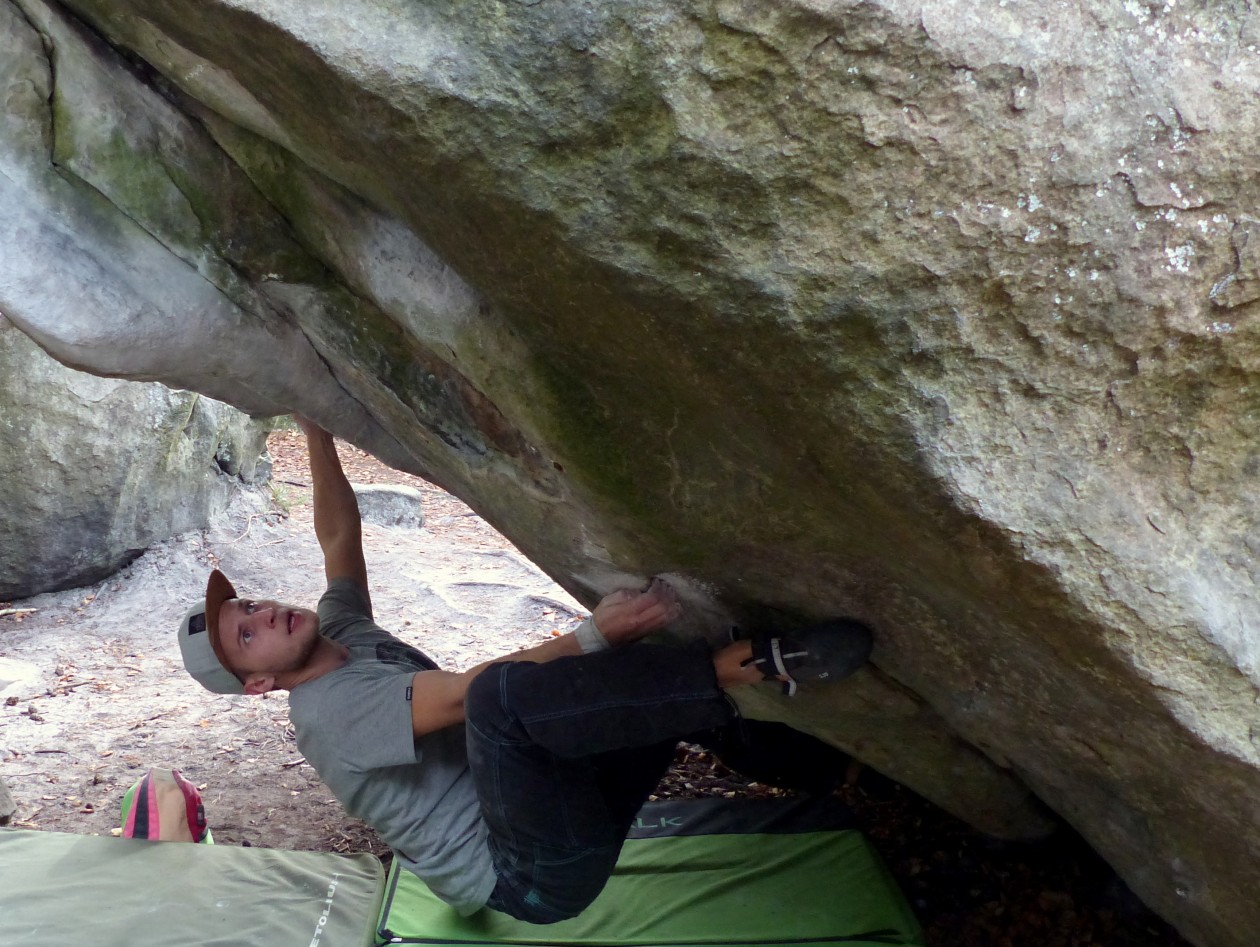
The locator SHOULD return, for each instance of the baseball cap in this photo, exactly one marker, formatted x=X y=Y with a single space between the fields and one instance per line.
x=199 y=639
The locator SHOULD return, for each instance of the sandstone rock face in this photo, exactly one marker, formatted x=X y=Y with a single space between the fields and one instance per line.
x=94 y=470
x=938 y=314
x=388 y=504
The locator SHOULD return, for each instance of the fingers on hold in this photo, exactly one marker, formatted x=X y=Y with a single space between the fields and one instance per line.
x=661 y=589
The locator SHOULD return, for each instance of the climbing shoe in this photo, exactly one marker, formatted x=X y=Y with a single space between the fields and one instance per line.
x=825 y=652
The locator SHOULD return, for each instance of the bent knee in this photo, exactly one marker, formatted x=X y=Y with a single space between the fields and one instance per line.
x=484 y=698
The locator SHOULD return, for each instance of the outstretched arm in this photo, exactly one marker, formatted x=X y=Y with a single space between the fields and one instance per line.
x=337 y=524
x=438 y=696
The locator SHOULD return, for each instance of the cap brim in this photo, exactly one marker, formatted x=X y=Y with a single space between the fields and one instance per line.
x=218 y=591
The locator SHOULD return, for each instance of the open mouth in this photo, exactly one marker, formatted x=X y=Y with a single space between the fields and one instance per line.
x=292 y=623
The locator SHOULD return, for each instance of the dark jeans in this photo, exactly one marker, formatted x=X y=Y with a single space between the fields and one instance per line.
x=563 y=754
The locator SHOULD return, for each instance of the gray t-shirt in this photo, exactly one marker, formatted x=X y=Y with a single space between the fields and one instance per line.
x=354 y=726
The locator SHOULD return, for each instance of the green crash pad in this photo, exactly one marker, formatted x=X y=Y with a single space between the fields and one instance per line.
x=58 y=889
x=706 y=872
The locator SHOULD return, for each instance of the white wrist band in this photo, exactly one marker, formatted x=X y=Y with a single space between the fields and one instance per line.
x=589 y=638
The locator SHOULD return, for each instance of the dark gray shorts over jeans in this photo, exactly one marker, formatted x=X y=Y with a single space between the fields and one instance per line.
x=563 y=754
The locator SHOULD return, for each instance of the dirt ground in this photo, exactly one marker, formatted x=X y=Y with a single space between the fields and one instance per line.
x=92 y=694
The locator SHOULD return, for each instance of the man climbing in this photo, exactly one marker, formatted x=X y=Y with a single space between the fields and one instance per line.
x=512 y=784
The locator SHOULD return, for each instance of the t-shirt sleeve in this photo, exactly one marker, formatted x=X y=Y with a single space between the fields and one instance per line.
x=359 y=717
x=366 y=717
x=342 y=607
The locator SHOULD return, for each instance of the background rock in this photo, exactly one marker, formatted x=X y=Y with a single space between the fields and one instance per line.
x=390 y=505
x=7 y=805
x=936 y=314
x=16 y=675
x=93 y=470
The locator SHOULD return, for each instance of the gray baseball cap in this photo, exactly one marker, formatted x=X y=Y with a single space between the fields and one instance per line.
x=199 y=639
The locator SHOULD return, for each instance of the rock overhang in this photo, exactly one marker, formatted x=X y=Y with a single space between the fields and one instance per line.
x=936 y=316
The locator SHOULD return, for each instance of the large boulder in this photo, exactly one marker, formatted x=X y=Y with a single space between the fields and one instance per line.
x=94 y=470
x=938 y=314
